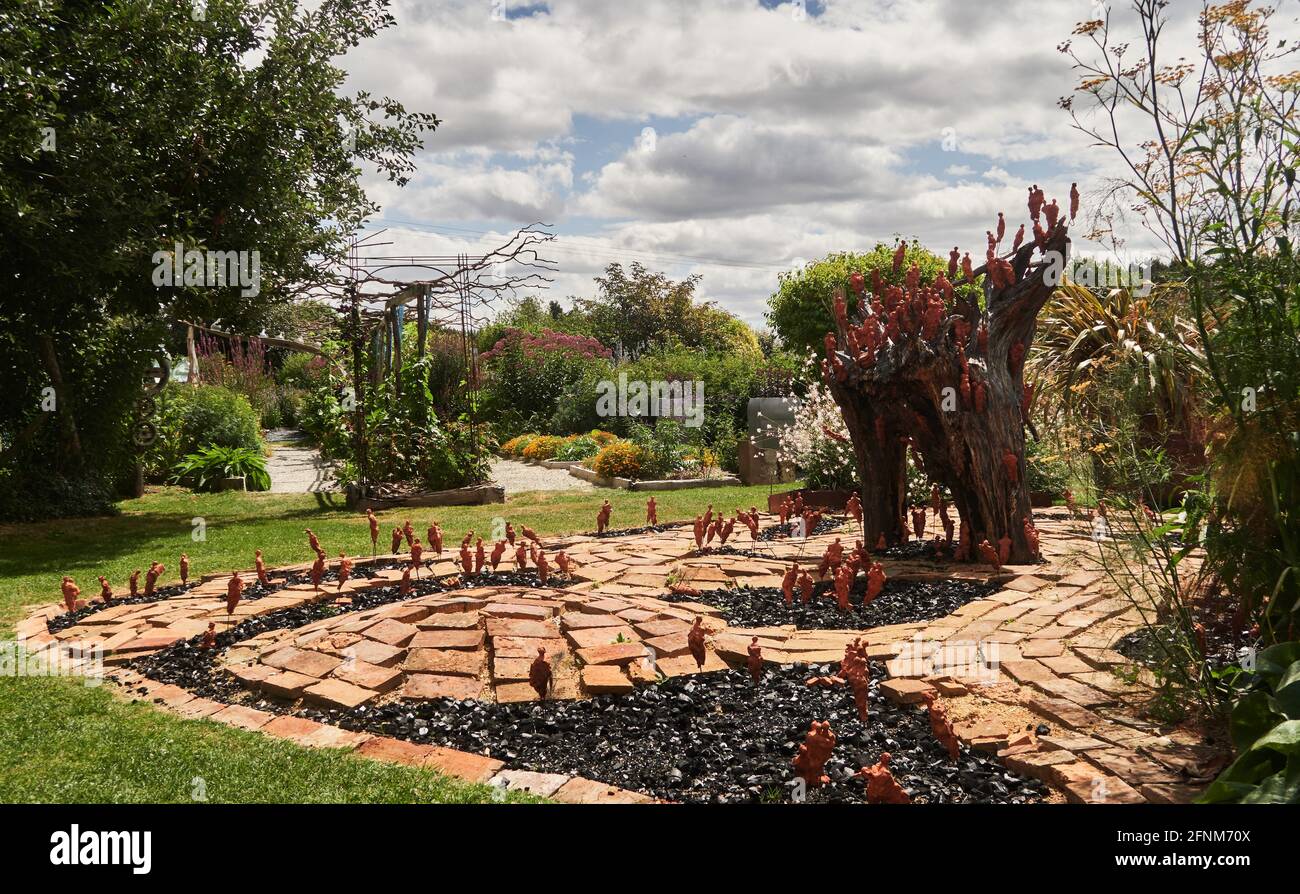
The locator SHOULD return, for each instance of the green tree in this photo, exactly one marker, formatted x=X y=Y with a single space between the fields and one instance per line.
x=129 y=126
x=799 y=311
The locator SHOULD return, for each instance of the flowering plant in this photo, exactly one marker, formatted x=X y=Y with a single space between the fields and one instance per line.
x=817 y=442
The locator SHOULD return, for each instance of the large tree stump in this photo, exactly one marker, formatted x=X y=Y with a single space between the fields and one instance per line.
x=922 y=367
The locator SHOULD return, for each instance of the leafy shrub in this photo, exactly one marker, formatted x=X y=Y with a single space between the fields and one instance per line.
x=542 y=447
x=528 y=374
x=662 y=448
x=1047 y=472
x=1265 y=730
x=193 y=417
x=603 y=438
x=210 y=465
x=515 y=446
x=578 y=449
x=621 y=459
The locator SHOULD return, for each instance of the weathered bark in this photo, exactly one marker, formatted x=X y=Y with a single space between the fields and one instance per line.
x=70 y=438
x=914 y=388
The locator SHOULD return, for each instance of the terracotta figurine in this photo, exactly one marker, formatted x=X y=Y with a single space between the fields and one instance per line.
x=312 y=541
x=882 y=788
x=480 y=557
x=105 y=591
x=755 y=660
x=318 y=569
x=209 y=640
x=565 y=563
x=875 y=582
x=810 y=763
x=135 y=582
x=185 y=568
x=788 y=583
x=70 y=593
x=695 y=641
x=397 y=541
x=234 y=592
x=262 y=577
x=941 y=726
x=543 y=567
x=374 y=530
x=405 y=588
x=651 y=512
x=602 y=517
x=539 y=673
x=498 y=550
x=345 y=569
x=151 y=577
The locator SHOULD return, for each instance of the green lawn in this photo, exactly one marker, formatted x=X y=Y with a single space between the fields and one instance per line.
x=160 y=526
x=64 y=742
x=61 y=741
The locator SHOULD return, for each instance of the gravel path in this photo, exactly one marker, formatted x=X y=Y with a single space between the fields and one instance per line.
x=297 y=470
x=517 y=477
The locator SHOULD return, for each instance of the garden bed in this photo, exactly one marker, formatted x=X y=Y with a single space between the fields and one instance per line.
x=475 y=495
x=586 y=474
x=901 y=602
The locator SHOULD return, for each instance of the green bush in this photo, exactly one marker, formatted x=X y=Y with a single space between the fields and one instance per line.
x=662 y=448
x=193 y=417
x=621 y=459
x=207 y=467
x=578 y=449
x=1265 y=730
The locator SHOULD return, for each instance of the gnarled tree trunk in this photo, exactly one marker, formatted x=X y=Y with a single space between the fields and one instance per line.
x=947 y=379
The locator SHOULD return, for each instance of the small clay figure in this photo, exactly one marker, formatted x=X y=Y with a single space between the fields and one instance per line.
x=135 y=582
x=755 y=660
x=521 y=557
x=498 y=551
x=531 y=534
x=234 y=592
x=417 y=555
x=405 y=588
x=854 y=508
x=989 y=555
x=1019 y=238
x=875 y=582
x=602 y=517
x=466 y=558
x=408 y=532
x=318 y=570
x=70 y=593
x=651 y=512
x=882 y=788
x=480 y=556
x=918 y=522
x=1012 y=465
x=397 y=541
x=843 y=583
x=1031 y=535
x=510 y=534
x=543 y=567
x=788 y=584
x=941 y=726
x=539 y=673
x=695 y=642
x=699 y=533
x=185 y=568
x=565 y=563
x=105 y=591
x=374 y=530
x=810 y=763
x=209 y=640
x=151 y=577
x=312 y=540
x=434 y=538
x=805 y=587
x=1004 y=549
x=345 y=569
x=260 y=566
x=683 y=590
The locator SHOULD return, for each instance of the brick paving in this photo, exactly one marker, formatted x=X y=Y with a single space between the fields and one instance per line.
x=1040 y=646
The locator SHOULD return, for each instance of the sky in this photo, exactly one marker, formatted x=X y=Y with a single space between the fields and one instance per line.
x=733 y=139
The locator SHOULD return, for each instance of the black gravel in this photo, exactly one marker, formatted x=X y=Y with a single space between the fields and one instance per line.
x=628 y=532
x=781 y=532
x=900 y=602
x=706 y=738
x=71 y=619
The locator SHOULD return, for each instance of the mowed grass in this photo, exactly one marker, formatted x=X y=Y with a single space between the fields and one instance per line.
x=64 y=742
x=162 y=525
